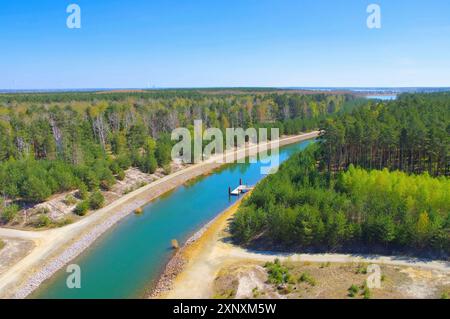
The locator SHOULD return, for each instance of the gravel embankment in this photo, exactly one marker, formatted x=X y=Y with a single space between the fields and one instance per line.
x=176 y=264
x=73 y=251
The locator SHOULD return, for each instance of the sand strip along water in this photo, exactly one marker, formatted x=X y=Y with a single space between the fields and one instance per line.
x=178 y=262
x=55 y=248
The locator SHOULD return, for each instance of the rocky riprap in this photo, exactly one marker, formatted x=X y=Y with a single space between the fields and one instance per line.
x=73 y=251
x=176 y=264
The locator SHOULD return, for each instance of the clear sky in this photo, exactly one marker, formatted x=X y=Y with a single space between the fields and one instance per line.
x=204 y=43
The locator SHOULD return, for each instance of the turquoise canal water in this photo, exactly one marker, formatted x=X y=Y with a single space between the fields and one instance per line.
x=131 y=255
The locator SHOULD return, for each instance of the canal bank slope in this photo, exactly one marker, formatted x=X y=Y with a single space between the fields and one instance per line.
x=57 y=247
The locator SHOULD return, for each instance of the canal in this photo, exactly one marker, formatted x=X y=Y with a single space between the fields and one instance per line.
x=130 y=256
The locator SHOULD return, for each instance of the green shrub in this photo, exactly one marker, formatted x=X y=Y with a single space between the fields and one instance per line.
x=91 y=180
x=96 y=200
x=82 y=208
x=366 y=292
x=121 y=175
x=307 y=278
x=362 y=269
x=278 y=274
x=83 y=192
x=106 y=185
x=124 y=161
x=163 y=152
x=35 y=189
x=2 y=244
x=444 y=295
x=167 y=169
x=70 y=200
x=43 y=221
x=148 y=164
x=9 y=213
x=353 y=290
x=115 y=167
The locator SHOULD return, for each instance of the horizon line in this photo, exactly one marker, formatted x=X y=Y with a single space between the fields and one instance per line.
x=68 y=89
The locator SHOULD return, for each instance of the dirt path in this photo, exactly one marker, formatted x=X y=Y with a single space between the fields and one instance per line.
x=56 y=247
x=212 y=252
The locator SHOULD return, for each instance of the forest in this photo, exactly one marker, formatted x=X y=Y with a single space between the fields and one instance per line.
x=56 y=142
x=411 y=134
x=370 y=183
x=300 y=207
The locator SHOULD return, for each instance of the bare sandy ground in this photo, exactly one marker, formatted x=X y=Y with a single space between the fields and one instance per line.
x=329 y=281
x=56 y=247
x=213 y=252
x=13 y=251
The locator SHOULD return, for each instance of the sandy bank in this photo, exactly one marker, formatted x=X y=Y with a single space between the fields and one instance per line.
x=57 y=247
x=187 y=265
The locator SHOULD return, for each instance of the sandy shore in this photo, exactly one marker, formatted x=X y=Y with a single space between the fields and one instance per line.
x=201 y=261
x=192 y=270
x=57 y=247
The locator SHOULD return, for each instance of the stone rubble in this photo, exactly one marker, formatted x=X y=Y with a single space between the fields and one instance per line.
x=176 y=264
x=73 y=251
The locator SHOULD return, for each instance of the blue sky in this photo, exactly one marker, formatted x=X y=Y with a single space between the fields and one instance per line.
x=199 y=43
